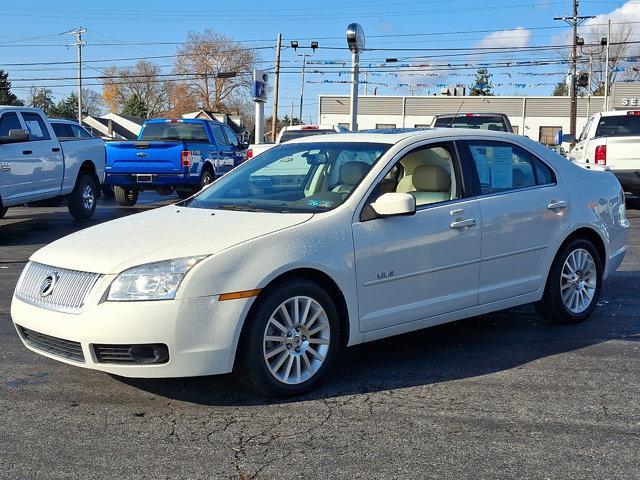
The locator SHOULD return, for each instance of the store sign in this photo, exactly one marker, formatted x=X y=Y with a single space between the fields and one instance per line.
x=630 y=102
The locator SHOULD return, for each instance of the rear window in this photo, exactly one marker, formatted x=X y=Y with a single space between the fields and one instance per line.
x=190 y=132
x=619 y=126
x=480 y=122
x=293 y=134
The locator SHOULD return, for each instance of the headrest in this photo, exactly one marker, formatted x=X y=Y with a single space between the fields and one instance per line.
x=494 y=127
x=431 y=178
x=352 y=172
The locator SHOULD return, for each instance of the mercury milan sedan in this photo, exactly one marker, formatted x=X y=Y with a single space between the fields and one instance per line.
x=321 y=243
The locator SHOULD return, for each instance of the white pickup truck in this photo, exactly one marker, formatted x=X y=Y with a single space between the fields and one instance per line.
x=611 y=141
x=44 y=159
x=292 y=132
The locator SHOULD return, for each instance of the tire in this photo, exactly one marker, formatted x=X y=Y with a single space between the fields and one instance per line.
x=207 y=177
x=81 y=202
x=313 y=347
x=126 y=197
x=565 y=289
x=3 y=211
x=107 y=191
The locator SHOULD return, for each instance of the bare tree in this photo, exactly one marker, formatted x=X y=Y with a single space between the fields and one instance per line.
x=618 y=50
x=203 y=58
x=142 y=81
x=92 y=102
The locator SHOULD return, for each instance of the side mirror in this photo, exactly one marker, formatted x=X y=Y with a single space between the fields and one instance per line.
x=393 y=204
x=568 y=138
x=15 y=136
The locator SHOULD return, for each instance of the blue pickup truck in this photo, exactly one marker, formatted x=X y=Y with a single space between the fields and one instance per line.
x=181 y=155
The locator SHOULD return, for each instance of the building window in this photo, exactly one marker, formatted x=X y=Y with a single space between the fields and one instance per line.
x=548 y=135
x=380 y=126
x=516 y=129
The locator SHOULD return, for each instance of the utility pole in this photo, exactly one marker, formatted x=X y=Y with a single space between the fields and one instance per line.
x=291 y=117
x=606 y=70
x=79 y=43
x=304 y=64
x=276 y=84
x=573 y=21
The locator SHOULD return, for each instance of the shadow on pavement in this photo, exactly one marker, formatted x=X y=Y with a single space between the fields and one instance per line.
x=467 y=348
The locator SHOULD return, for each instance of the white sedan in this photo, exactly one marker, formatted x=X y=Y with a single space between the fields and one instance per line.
x=321 y=243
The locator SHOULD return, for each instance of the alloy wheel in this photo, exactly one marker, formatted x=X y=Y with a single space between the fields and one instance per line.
x=579 y=281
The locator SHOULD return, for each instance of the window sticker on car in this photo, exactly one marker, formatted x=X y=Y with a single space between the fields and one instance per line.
x=502 y=167
x=482 y=164
x=320 y=203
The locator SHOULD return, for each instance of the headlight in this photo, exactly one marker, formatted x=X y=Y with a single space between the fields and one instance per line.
x=152 y=281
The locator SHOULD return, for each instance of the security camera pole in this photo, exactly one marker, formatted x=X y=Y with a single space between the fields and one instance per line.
x=295 y=45
x=355 y=41
x=259 y=97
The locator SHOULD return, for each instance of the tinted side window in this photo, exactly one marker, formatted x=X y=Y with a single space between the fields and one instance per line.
x=79 y=132
x=231 y=137
x=61 y=130
x=37 y=127
x=218 y=134
x=9 y=121
x=503 y=166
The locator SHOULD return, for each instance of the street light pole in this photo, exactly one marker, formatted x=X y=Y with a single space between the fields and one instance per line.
x=606 y=70
x=295 y=45
x=356 y=43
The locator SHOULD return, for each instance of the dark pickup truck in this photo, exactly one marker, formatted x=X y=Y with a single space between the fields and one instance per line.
x=181 y=155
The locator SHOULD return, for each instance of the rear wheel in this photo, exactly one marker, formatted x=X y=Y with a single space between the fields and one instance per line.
x=291 y=339
x=126 y=197
x=207 y=177
x=3 y=211
x=81 y=202
x=574 y=284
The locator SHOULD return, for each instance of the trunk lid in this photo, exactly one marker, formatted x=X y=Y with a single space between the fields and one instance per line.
x=157 y=156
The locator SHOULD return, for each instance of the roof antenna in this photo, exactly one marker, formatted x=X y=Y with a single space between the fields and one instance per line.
x=456 y=115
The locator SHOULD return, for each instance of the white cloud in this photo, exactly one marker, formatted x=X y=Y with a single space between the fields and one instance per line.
x=518 y=37
x=629 y=12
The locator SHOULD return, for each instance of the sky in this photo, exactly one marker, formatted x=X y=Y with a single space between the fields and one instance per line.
x=424 y=36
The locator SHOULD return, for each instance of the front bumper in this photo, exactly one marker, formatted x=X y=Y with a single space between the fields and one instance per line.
x=200 y=333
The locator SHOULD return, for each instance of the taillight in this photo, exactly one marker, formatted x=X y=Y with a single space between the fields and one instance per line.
x=249 y=153
x=601 y=155
x=633 y=112
x=185 y=158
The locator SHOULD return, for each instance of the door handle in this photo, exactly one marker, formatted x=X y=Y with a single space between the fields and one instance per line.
x=556 y=205
x=27 y=152
x=469 y=222
x=55 y=149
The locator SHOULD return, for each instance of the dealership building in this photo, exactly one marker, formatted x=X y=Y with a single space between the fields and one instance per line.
x=538 y=118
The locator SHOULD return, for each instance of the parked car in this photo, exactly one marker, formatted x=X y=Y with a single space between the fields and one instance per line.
x=42 y=159
x=498 y=122
x=293 y=132
x=321 y=243
x=611 y=140
x=181 y=155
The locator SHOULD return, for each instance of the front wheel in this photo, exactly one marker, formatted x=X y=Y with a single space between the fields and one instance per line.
x=82 y=200
x=291 y=339
x=126 y=197
x=574 y=284
x=206 y=178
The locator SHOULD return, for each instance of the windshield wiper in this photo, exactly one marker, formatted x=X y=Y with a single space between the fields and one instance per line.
x=245 y=207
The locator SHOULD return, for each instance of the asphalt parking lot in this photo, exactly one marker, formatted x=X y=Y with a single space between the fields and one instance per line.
x=500 y=396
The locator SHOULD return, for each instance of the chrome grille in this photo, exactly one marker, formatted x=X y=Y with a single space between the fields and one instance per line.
x=53 y=345
x=68 y=293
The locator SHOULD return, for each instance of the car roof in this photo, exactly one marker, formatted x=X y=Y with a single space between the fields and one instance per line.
x=619 y=113
x=462 y=114
x=65 y=121
x=391 y=136
x=308 y=126
x=21 y=108
x=182 y=120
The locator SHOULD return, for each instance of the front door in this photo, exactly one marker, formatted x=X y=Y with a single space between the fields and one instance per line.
x=16 y=164
x=523 y=212
x=409 y=268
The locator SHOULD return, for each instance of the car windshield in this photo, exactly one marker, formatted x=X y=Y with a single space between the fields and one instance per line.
x=298 y=177
x=193 y=132
x=619 y=126
x=289 y=135
x=481 y=122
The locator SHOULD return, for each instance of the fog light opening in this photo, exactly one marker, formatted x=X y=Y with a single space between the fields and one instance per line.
x=149 y=354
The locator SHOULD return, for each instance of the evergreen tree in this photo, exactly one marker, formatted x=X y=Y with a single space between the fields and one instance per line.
x=66 y=108
x=42 y=98
x=482 y=85
x=134 y=105
x=561 y=90
x=6 y=96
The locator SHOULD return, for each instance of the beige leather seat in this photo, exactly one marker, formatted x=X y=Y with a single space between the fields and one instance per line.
x=350 y=174
x=432 y=184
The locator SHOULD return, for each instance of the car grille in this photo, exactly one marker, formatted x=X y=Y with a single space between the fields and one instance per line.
x=55 y=346
x=113 y=354
x=67 y=294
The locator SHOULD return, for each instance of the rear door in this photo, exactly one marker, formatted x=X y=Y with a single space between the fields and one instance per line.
x=16 y=168
x=237 y=150
x=225 y=159
x=524 y=211
x=46 y=153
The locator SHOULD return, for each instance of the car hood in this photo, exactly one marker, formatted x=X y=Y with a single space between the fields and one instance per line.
x=160 y=234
